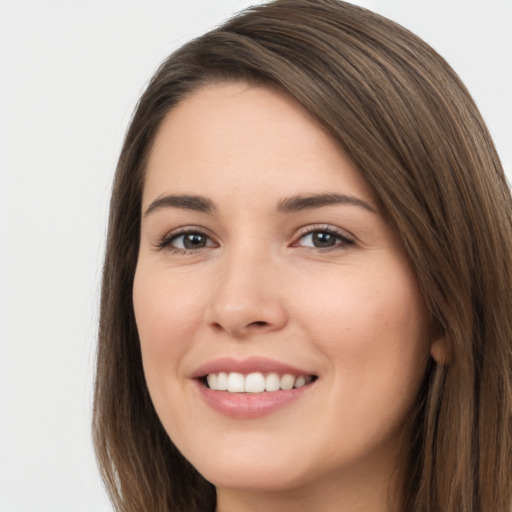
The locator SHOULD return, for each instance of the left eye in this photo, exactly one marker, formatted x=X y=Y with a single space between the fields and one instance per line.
x=322 y=240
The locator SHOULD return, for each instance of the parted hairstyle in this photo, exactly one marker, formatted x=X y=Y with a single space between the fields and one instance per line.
x=404 y=118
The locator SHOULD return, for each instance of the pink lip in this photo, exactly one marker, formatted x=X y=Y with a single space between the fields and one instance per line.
x=246 y=366
x=248 y=405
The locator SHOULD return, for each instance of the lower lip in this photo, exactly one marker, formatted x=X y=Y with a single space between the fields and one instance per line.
x=250 y=405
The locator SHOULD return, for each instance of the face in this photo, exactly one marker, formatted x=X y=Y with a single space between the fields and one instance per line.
x=266 y=268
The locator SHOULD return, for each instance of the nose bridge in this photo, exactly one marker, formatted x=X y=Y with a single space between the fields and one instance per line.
x=246 y=297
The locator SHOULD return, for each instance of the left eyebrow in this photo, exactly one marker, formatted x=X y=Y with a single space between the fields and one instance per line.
x=308 y=202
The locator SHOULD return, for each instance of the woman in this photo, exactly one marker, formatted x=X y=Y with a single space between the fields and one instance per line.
x=306 y=290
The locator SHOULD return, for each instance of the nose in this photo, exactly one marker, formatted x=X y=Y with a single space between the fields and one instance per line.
x=248 y=297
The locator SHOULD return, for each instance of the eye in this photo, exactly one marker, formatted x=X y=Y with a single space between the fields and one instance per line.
x=188 y=240
x=323 y=239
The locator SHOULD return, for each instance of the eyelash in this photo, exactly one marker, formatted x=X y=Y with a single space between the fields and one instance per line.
x=343 y=241
x=167 y=240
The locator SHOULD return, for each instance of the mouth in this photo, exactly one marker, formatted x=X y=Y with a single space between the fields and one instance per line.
x=255 y=382
x=253 y=387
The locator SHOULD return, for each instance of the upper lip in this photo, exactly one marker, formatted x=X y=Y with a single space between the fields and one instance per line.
x=246 y=366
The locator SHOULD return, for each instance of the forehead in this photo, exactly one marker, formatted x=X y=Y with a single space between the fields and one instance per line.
x=239 y=135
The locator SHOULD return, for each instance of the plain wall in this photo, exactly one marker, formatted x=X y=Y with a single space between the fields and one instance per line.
x=70 y=75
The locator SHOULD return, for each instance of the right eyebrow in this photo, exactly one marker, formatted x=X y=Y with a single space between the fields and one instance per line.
x=183 y=201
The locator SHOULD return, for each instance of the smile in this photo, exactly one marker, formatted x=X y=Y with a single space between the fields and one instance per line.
x=256 y=382
x=251 y=388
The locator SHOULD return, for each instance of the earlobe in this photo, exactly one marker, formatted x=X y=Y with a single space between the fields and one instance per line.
x=441 y=351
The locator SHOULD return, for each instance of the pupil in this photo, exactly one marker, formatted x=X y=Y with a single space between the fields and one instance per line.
x=321 y=239
x=193 y=241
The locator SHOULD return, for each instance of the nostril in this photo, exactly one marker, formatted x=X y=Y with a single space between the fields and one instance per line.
x=258 y=324
x=242 y=330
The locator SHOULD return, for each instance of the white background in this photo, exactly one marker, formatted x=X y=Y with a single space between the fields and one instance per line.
x=70 y=74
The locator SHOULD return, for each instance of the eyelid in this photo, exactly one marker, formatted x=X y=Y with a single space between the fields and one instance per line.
x=348 y=239
x=164 y=243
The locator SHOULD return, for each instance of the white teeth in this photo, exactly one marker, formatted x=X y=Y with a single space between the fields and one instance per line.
x=213 y=381
x=300 y=381
x=255 y=382
x=236 y=383
x=272 y=382
x=222 y=382
x=287 y=381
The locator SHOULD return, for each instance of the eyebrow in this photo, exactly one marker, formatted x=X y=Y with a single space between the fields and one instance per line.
x=289 y=205
x=309 y=202
x=183 y=201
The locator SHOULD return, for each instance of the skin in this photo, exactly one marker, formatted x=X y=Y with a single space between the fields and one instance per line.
x=350 y=314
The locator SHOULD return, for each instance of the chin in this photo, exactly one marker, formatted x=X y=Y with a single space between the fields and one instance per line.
x=254 y=476
x=252 y=461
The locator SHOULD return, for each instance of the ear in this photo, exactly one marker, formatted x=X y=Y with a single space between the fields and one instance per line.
x=441 y=351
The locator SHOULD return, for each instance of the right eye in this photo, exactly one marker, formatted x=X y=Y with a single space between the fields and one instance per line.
x=186 y=241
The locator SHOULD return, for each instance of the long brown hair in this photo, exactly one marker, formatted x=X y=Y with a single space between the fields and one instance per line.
x=410 y=126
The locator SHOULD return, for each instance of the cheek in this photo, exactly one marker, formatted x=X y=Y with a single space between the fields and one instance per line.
x=365 y=303
x=166 y=314
x=371 y=325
